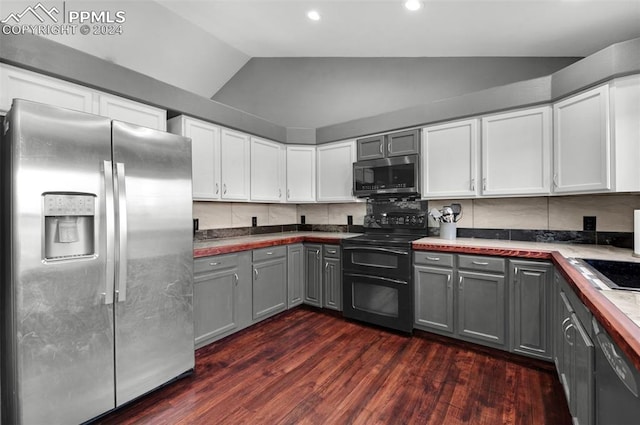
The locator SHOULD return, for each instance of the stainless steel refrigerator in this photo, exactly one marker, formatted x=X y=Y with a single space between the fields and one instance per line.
x=97 y=263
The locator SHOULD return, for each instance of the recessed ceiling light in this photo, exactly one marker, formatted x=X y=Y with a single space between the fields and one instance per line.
x=413 y=5
x=313 y=15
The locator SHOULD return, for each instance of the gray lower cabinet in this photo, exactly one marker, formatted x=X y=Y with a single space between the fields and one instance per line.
x=530 y=324
x=269 y=281
x=295 y=275
x=313 y=275
x=574 y=353
x=434 y=298
x=222 y=296
x=481 y=307
x=332 y=278
x=323 y=276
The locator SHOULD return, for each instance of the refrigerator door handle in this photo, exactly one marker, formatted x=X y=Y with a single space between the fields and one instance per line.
x=121 y=290
x=110 y=214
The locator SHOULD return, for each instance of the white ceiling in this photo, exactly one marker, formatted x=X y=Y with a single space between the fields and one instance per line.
x=384 y=28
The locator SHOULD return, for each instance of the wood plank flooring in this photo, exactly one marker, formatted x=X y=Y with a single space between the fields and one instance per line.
x=308 y=367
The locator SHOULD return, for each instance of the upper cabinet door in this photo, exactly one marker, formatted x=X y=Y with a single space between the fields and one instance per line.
x=371 y=148
x=126 y=110
x=335 y=171
x=403 y=143
x=516 y=153
x=267 y=170
x=449 y=157
x=205 y=155
x=301 y=173
x=581 y=142
x=235 y=166
x=21 y=84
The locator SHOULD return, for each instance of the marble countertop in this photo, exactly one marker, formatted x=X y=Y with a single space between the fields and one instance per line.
x=618 y=311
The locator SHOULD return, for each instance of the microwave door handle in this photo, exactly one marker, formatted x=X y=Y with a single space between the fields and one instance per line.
x=110 y=233
x=122 y=232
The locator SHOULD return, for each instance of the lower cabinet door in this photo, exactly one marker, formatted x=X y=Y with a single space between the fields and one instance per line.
x=332 y=283
x=295 y=275
x=269 y=287
x=434 y=298
x=313 y=275
x=481 y=307
x=214 y=304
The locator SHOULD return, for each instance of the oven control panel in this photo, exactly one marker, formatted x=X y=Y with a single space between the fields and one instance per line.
x=396 y=220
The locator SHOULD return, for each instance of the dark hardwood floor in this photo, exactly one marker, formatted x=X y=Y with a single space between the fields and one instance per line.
x=308 y=367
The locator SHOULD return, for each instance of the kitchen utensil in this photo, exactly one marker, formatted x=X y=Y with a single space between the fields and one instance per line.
x=436 y=214
x=447 y=214
x=457 y=212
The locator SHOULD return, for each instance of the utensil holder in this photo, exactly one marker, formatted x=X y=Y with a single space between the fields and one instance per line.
x=448 y=231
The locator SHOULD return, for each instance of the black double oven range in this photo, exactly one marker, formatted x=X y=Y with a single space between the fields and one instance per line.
x=378 y=266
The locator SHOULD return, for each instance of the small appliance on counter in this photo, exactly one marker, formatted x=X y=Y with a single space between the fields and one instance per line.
x=378 y=266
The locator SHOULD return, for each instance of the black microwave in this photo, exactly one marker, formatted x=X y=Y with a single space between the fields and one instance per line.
x=398 y=175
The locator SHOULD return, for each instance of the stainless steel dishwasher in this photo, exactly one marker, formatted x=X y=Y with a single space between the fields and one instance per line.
x=616 y=382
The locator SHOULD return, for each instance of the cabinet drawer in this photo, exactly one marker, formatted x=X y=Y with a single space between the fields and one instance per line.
x=331 y=251
x=485 y=264
x=217 y=262
x=438 y=259
x=269 y=253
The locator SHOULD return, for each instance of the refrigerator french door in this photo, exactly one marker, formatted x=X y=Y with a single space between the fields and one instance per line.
x=97 y=271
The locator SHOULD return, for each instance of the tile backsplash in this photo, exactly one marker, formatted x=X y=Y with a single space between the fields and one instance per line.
x=614 y=213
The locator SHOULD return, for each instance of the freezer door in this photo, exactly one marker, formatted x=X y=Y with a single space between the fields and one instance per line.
x=154 y=251
x=58 y=365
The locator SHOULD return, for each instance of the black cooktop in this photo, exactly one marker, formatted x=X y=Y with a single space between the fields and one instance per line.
x=384 y=239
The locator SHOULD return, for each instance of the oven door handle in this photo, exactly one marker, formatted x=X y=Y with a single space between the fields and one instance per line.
x=370 y=248
x=386 y=279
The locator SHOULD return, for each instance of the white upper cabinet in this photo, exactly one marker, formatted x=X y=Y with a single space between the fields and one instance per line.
x=581 y=142
x=301 y=173
x=625 y=109
x=21 y=84
x=126 y=110
x=235 y=166
x=267 y=170
x=205 y=155
x=335 y=171
x=516 y=153
x=449 y=160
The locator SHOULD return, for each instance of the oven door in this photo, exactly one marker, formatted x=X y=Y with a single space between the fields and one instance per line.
x=378 y=300
x=393 y=262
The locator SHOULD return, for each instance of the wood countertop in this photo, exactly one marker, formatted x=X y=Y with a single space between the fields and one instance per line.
x=617 y=311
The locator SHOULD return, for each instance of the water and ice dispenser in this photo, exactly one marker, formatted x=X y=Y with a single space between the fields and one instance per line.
x=69 y=221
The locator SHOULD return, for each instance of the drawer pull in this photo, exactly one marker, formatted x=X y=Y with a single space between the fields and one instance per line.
x=433 y=258
x=213 y=264
x=480 y=263
x=331 y=251
x=270 y=253
x=235 y=278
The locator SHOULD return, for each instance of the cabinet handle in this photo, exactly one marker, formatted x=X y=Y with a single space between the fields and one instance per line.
x=279 y=193
x=213 y=264
x=484 y=183
x=235 y=277
x=389 y=147
x=382 y=148
x=318 y=254
x=217 y=188
x=224 y=189
x=480 y=263
x=515 y=274
x=566 y=337
x=288 y=193
x=326 y=267
x=331 y=251
x=256 y=273
x=270 y=253
x=433 y=258
x=555 y=180
x=473 y=185
x=449 y=281
x=460 y=285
